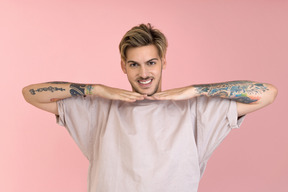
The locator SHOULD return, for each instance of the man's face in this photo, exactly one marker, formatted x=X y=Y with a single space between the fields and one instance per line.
x=143 y=67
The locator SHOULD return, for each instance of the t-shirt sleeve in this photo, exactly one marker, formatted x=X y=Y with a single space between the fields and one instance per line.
x=216 y=117
x=75 y=115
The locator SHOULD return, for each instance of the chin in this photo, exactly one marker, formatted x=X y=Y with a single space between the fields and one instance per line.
x=148 y=93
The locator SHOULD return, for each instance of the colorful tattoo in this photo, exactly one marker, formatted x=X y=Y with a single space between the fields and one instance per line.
x=77 y=89
x=240 y=91
x=50 y=88
x=89 y=89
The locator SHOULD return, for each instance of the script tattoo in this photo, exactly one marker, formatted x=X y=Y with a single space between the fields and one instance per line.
x=58 y=82
x=77 y=89
x=240 y=91
x=50 y=88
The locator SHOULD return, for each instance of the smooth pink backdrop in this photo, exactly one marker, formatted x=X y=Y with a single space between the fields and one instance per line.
x=77 y=41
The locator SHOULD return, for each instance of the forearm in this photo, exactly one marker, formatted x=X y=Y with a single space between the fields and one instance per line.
x=52 y=91
x=240 y=91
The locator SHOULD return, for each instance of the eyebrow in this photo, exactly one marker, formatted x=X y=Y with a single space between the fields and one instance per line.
x=131 y=61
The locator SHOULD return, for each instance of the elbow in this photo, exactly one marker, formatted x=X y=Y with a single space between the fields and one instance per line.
x=273 y=91
x=25 y=93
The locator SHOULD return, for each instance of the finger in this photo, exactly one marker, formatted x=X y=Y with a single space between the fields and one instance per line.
x=168 y=96
x=134 y=95
x=129 y=100
x=133 y=98
x=124 y=97
x=150 y=97
x=162 y=96
x=129 y=97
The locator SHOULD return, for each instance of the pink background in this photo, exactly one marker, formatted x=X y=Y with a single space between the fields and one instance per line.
x=77 y=41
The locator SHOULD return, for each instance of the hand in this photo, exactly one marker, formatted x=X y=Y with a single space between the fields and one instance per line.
x=174 y=94
x=117 y=94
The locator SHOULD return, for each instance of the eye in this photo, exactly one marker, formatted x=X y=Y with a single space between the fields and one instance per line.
x=133 y=65
x=151 y=63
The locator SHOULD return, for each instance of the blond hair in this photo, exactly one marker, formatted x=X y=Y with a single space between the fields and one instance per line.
x=143 y=35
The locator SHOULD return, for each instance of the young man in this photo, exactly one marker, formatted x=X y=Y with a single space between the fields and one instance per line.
x=148 y=139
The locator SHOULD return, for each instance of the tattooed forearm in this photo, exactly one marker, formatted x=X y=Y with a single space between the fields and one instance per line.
x=77 y=89
x=50 y=88
x=240 y=91
x=89 y=89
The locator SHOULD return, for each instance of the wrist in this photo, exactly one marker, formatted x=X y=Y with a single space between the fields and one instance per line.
x=198 y=90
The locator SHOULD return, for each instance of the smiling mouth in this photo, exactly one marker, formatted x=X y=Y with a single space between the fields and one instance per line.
x=145 y=82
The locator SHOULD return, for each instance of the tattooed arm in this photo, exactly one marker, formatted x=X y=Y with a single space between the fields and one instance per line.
x=45 y=95
x=249 y=95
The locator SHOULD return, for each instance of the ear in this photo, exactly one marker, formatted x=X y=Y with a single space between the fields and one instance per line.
x=123 y=66
x=163 y=62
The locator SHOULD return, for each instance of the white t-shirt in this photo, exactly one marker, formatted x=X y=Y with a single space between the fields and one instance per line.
x=147 y=146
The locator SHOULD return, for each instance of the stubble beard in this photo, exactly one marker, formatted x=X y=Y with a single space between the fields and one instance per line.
x=153 y=92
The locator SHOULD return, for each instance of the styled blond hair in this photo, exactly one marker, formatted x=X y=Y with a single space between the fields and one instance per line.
x=143 y=35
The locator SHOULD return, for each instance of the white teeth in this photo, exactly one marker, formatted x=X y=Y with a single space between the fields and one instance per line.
x=145 y=82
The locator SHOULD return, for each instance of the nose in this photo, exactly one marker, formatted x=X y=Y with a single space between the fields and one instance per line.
x=143 y=72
